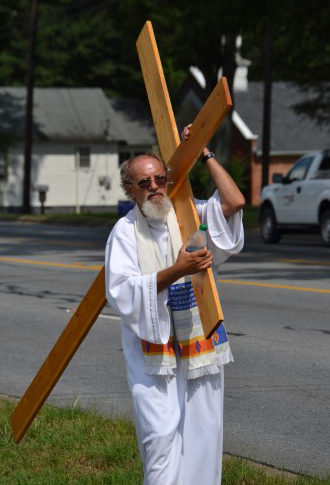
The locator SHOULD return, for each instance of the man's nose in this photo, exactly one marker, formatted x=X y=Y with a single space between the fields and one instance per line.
x=153 y=185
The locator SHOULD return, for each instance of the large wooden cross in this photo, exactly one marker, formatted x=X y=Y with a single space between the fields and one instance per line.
x=179 y=158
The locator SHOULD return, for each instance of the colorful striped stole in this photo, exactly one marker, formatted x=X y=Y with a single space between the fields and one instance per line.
x=199 y=356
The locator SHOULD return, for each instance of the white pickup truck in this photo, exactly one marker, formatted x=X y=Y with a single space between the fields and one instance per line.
x=299 y=201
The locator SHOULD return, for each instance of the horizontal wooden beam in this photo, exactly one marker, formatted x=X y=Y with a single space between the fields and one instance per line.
x=203 y=128
x=59 y=357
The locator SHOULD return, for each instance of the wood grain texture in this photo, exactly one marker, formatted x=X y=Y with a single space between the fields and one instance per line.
x=59 y=357
x=207 y=297
x=169 y=143
x=159 y=99
x=203 y=128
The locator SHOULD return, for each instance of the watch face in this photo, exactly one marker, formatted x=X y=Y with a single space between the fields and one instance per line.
x=206 y=157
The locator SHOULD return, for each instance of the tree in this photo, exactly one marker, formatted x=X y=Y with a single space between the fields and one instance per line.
x=301 y=53
x=79 y=44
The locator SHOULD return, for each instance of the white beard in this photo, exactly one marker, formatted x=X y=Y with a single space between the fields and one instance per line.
x=157 y=209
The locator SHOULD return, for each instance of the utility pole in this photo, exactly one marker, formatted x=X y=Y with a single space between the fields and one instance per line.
x=77 y=173
x=266 y=129
x=29 y=110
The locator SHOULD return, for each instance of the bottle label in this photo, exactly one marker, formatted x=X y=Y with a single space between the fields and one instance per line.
x=191 y=249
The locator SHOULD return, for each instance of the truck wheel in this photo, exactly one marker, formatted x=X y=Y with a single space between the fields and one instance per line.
x=325 y=228
x=268 y=225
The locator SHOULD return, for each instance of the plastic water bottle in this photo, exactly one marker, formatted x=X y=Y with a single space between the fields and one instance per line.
x=197 y=240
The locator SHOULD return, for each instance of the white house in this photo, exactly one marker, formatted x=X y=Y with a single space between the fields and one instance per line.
x=80 y=137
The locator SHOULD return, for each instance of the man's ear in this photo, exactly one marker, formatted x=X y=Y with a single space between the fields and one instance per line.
x=128 y=189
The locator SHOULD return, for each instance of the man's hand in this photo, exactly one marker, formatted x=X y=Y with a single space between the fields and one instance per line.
x=185 y=134
x=191 y=263
x=186 y=264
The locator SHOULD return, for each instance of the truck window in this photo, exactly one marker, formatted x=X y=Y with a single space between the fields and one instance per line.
x=324 y=169
x=325 y=164
x=299 y=170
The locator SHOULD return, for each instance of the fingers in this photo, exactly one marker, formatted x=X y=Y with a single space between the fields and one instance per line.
x=186 y=132
x=203 y=261
x=206 y=263
x=191 y=263
x=202 y=252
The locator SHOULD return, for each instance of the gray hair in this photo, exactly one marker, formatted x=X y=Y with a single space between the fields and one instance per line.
x=125 y=169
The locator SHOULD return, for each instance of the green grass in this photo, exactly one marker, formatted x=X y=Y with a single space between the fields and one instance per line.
x=237 y=471
x=71 y=447
x=103 y=219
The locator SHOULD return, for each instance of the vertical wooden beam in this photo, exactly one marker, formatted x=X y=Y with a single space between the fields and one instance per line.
x=205 y=290
x=159 y=99
x=59 y=357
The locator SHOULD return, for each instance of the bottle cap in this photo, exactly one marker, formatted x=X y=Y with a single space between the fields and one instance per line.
x=203 y=227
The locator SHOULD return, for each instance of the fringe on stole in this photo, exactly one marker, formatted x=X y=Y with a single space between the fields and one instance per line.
x=212 y=369
x=206 y=370
x=161 y=370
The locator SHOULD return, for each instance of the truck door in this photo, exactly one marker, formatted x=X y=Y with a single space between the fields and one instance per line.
x=318 y=181
x=292 y=196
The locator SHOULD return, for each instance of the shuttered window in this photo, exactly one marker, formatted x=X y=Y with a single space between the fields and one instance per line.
x=84 y=154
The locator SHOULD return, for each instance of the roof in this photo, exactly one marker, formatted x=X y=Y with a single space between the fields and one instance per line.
x=71 y=114
x=133 y=117
x=289 y=132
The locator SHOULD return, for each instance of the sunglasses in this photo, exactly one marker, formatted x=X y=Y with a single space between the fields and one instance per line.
x=159 y=179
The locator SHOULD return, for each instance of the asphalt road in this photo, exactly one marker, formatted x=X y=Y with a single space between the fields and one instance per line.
x=276 y=301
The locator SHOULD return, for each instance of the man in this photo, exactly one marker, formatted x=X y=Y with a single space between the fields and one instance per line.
x=174 y=374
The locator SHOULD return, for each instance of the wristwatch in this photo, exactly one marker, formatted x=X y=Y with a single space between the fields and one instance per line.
x=206 y=157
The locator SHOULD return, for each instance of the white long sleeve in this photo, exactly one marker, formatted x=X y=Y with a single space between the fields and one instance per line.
x=134 y=296
x=225 y=236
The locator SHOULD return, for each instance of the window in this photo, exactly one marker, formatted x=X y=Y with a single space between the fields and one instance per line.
x=299 y=171
x=325 y=164
x=84 y=154
x=123 y=156
x=324 y=170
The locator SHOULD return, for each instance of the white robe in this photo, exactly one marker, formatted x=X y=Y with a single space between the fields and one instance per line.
x=179 y=423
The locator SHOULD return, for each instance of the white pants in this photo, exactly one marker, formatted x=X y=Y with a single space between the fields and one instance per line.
x=179 y=425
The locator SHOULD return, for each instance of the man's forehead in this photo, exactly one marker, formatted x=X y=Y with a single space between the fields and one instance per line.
x=145 y=163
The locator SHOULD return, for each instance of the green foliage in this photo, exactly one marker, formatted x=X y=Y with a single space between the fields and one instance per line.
x=201 y=182
x=251 y=217
x=7 y=141
x=85 y=43
x=239 y=167
x=301 y=50
x=92 y=43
